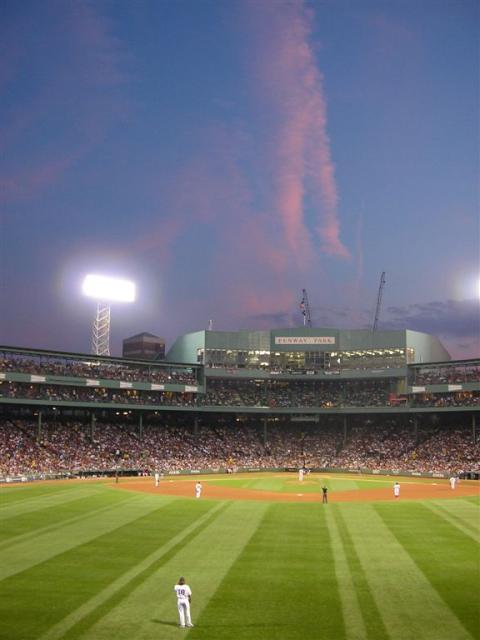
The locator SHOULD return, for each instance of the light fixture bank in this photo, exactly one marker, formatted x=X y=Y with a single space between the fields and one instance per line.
x=108 y=289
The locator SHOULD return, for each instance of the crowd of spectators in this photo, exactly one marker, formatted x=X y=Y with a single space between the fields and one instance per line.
x=453 y=399
x=451 y=449
x=66 y=393
x=450 y=374
x=401 y=449
x=43 y=365
x=381 y=448
x=250 y=393
x=76 y=447
x=296 y=393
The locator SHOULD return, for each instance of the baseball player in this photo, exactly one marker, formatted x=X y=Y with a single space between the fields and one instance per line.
x=184 y=597
x=396 y=490
x=453 y=482
x=157 y=479
x=324 y=495
x=198 y=489
x=300 y=474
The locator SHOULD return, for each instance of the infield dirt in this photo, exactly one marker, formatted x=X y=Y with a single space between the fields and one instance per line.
x=409 y=491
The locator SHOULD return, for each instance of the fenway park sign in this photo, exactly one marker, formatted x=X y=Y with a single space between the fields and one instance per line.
x=304 y=340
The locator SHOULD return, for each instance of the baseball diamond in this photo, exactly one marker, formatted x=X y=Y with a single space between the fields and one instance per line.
x=299 y=488
x=93 y=559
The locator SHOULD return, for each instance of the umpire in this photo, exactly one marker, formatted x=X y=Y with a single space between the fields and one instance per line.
x=324 y=495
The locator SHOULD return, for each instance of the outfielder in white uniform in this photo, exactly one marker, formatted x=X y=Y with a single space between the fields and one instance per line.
x=184 y=597
x=198 y=489
x=301 y=473
x=396 y=490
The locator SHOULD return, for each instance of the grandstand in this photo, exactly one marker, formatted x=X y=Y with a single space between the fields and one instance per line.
x=327 y=398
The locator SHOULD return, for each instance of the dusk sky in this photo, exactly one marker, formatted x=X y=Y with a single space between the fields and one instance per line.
x=225 y=155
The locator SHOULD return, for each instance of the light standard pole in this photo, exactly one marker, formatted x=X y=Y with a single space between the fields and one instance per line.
x=105 y=290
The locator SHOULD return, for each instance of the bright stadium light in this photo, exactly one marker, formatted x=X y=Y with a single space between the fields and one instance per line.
x=108 y=289
x=105 y=290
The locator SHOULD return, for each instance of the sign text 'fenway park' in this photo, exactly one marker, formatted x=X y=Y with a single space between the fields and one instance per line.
x=304 y=340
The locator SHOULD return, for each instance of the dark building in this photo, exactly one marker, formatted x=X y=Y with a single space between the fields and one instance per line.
x=144 y=346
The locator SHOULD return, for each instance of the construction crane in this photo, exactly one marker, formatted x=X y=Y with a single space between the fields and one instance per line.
x=305 y=309
x=379 y=301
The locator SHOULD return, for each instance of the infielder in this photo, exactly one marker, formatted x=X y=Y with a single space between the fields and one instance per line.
x=157 y=479
x=198 y=489
x=396 y=490
x=300 y=474
x=453 y=482
x=184 y=597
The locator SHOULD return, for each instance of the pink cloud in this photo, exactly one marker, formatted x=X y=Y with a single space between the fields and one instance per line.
x=260 y=300
x=291 y=88
x=159 y=240
x=262 y=239
x=247 y=265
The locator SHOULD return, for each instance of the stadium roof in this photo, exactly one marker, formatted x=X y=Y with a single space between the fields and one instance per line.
x=144 y=334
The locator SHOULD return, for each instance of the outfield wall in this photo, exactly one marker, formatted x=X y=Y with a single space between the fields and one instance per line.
x=112 y=473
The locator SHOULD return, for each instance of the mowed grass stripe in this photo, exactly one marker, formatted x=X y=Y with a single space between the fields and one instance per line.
x=126 y=579
x=14 y=509
x=29 y=491
x=352 y=614
x=449 y=559
x=33 y=601
x=22 y=556
x=468 y=513
x=339 y=484
x=409 y=605
x=282 y=586
x=58 y=517
x=371 y=615
x=150 y=611
x=268 y=484
x=466 y=529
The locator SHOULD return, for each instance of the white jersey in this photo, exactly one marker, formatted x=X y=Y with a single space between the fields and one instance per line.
x=453 y=482
x=396 y=490
x=198 y=489
x=183 y=592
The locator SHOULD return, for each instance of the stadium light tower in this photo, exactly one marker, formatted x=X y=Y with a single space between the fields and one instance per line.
x=105 y=290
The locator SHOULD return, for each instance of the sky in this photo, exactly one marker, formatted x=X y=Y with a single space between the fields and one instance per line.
x=225 y=155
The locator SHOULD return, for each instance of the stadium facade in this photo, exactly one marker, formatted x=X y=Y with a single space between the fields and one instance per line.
x=321 y=350
x=301 y=371
x=261 y=379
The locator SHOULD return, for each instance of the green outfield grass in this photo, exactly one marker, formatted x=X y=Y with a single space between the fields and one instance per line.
x=87 y=561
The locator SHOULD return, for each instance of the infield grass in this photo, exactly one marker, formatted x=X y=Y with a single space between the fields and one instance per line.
x=85 y=561
x=290 y=483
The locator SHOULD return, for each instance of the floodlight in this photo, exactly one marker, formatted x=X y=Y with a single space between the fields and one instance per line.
x=108 y=289
x=105 y=290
